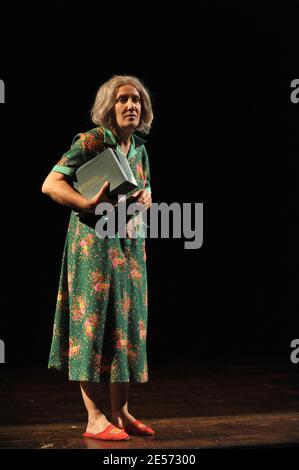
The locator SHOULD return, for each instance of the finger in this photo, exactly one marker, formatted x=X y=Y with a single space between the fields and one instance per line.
x=136 y=195
x=103 y=188
x=145 y=200
x=105 y=193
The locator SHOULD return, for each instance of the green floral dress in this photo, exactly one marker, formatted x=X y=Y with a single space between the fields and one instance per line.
x=100 y=323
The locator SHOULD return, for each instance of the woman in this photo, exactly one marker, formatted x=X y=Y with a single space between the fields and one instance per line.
x=100 y=321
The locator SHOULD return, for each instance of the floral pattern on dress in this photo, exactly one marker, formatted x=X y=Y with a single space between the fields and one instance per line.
x=100 y=323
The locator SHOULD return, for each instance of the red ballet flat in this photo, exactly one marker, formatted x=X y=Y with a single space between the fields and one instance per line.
x=110 y=433
x=136 y=428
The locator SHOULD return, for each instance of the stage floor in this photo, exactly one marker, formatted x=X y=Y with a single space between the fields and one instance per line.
x=190 y=407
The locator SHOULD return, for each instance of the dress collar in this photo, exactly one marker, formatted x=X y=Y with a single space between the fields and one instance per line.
x=109 y=138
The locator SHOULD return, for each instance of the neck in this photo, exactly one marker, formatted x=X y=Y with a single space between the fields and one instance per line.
x=124 y=136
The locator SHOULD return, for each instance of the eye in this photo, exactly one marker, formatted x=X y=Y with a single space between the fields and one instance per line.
x=136 y=99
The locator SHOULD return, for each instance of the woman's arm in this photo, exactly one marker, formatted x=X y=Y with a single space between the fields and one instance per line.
x=57 y=188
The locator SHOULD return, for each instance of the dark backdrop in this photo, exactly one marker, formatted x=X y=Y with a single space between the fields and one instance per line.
x=225 y=134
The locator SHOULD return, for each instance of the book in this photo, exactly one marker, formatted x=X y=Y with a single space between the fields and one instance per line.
x=108 y=165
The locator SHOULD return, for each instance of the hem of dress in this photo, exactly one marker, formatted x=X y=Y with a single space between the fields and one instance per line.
x=103 y=380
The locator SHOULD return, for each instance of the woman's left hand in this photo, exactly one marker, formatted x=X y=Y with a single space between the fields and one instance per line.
x=144 y=197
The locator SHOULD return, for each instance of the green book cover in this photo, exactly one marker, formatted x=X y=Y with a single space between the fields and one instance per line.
x=106 y=166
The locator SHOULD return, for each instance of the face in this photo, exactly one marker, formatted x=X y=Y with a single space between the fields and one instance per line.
x=127 y=107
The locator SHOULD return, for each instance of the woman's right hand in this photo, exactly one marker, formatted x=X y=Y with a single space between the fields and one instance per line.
x=101 y=196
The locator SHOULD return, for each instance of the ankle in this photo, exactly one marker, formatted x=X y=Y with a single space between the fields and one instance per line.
x=121 y=416
x=95 y=415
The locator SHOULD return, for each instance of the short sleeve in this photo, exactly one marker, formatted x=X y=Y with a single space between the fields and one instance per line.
x=84 y=147
x=71 y=160
x=146 y=170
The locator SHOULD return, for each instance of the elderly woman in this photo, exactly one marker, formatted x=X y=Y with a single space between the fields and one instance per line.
x=100 y=323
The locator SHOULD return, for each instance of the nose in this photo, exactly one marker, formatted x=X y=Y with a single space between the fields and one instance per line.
x=130 y=104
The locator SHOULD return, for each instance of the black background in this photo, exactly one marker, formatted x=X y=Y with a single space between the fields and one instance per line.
x=225 y=133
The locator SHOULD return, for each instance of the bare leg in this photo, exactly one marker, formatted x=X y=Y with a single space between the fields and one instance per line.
x=97 y=421
x=119 y=392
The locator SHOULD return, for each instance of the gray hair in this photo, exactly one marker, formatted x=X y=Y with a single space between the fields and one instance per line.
x=102 y=110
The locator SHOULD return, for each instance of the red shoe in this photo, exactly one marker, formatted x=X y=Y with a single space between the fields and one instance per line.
x=111 y=433
x=136 y=428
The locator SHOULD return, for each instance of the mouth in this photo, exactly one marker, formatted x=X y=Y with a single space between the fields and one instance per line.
x=131 y=116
